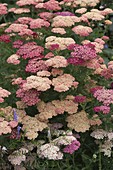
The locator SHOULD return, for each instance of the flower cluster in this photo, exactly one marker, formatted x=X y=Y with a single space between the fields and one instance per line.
x=104 y=95
x=3 y=9
x=49 y=151
x=61 y=79
x=54 y=108
x=81 y=53
x=18 y=156
x=79 y=122
x=3 y=93
x=72 y=147
x=104 y=109
x=62 y=42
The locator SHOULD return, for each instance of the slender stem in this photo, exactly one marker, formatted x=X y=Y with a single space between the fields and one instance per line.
x=100 y=157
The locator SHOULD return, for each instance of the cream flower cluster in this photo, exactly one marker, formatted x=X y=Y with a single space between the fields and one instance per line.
x=79 y=121
x=4 y=127
x=8 y=114
x=63 y=82
x=62 y=42
x=50 y=109
x=19 y=10
x=58 y=30
x=18 y=156
x=82 y=3
x=56 y=62
x=49 y=151
x=64 y=21
x=32 y=126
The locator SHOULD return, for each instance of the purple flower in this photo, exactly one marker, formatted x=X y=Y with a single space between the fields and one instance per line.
x=66 y=13
x=15 y=117
x=18 y=131
x=105 y=46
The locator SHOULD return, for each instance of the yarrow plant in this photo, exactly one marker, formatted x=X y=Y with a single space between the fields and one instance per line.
x=56 y=87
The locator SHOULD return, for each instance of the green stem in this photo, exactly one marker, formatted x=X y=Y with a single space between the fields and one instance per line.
x=100 y=157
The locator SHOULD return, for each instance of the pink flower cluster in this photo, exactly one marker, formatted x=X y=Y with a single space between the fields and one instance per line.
x=5 y=38
x=104 y=95
x=94 y=89
x=16 y=28
x=72 y=147
x=7 y=126
x=104 y=109
x=39 y=23
x=30 y=50
x=29 y=97
x=34 y=65
x=3 y=9
x=80 y=99
x=17 y=43
x=25 y=2
x=3 y=93
x=82 y=30
x=52 y=5
x=81 y=53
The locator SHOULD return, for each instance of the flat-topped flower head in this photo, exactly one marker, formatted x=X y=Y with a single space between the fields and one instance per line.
x=3 y=8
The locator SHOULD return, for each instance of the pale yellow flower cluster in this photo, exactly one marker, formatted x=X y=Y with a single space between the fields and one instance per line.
x=62 y=42
x=31 y=126
x=50 y=109
x=63 y=83
x=94 y=14
x=64 y=21
x=86 y=3
x=9 y=114
x=79 y=121
x=37 y=82
x=82 y=3
x=81 y=10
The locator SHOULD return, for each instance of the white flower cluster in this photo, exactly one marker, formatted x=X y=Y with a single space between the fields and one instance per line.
x=50 y=152
x=18 y=156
